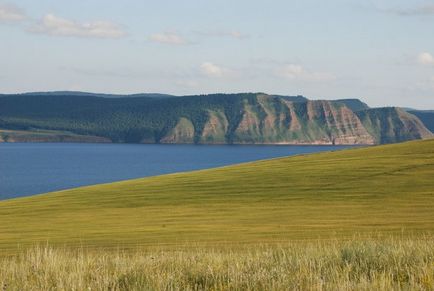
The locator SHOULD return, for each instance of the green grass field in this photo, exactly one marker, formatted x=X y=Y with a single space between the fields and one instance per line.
x=383 y=189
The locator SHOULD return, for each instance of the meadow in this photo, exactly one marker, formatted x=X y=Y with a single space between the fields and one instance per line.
x=357 y=264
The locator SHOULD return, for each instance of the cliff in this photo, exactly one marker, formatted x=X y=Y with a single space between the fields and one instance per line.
x=391 y=124
x=271 y=120
x=426 y=116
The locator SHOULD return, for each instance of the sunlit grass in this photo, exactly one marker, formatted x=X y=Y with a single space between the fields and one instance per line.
x=387 y=189
x=356 y=264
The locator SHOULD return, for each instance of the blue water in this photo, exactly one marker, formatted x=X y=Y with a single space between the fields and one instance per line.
x=32 y=168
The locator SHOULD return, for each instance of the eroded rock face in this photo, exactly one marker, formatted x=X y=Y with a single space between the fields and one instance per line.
x=250 y=129
x=343 y=125
x=183 y=132
x=272 y=120
x=412 y=125
x=391 y=124
x=275 y=120
x=215 y=128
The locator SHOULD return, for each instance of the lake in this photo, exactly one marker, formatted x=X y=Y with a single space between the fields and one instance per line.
x=33 y=168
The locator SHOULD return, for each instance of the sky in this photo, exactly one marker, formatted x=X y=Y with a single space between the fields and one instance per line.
x=380 y=51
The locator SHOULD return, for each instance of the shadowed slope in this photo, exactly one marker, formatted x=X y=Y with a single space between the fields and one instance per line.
x=426 y=116
x=388 y=189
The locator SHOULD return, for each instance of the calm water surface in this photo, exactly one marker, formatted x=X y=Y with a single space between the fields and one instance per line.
x=32 y=168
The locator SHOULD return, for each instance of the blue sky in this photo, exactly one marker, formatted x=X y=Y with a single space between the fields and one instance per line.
x=379 y=51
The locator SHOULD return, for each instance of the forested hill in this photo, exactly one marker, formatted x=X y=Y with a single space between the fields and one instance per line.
x=216 y=118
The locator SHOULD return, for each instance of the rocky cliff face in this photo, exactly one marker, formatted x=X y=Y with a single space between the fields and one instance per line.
x=279 y=121
x=426 y=116
x=273 y=120
x=391 y=124
x=183 y=132
x=215 y=128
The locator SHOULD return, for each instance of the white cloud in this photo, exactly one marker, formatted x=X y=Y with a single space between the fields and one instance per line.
x=212 y=70
x=174 y=38
x=9 y=13
x=168 y=38
x=53 y=25
x=297 y=72
x=425 y=59
x=234 y=34
x=231 y=34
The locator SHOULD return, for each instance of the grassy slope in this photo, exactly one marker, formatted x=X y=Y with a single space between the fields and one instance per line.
x=386 y=188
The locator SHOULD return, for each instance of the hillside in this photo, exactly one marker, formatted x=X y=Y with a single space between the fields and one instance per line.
x=386 y=189
x=389 y=125
x=87 y=94
x=47 y=136
x=250 y=118
x=426 y=116
x=354 y=104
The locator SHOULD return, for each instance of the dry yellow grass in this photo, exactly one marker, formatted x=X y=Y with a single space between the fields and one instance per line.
x=367 y=264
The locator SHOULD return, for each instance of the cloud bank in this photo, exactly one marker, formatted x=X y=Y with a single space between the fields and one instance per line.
x=425 y=59
x=222 y=34
x=212 y=70
x=299 y=73
x=57 y=26
x=168 y=38
x=11 y=13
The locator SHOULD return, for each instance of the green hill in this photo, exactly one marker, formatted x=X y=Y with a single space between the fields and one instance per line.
x=386 y=189
x=248 y=118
